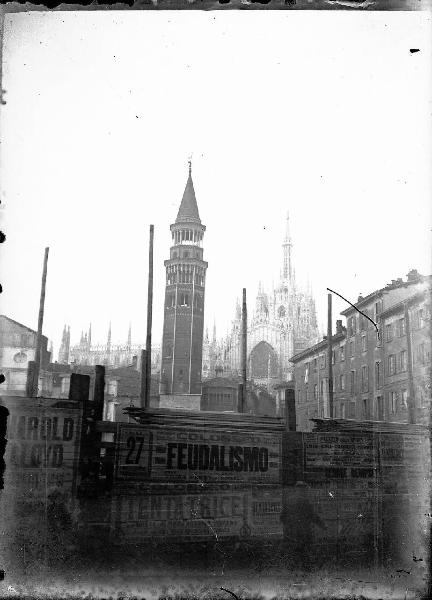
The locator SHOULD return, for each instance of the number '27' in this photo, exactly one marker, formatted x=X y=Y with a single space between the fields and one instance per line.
x=134 y=444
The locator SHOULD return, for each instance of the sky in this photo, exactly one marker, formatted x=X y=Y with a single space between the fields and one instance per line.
x=326 y=115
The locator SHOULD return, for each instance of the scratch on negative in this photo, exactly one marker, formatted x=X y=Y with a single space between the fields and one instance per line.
x=229 y=592
x=358 y=310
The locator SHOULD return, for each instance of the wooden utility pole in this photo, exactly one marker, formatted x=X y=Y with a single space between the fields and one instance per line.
x=244 y=353
x=329 y=354
x=149 y=321
x=35 y=379
x=143 y=384
x=290 y=410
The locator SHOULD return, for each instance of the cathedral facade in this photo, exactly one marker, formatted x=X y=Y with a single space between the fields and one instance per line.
x=110 y=355
x=282 y=323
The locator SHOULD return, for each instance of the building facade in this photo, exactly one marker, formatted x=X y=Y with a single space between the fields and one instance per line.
x=17 y=349
x=182 y=341
x=282 y=323
x=381 y=367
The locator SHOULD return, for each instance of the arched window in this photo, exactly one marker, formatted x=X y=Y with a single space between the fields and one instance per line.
x=281 y=312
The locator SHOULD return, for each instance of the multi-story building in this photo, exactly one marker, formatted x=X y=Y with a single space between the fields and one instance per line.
x=17 y=349
x=182 y=342
x=283 y=322
x=381 y=364
x=406 y=364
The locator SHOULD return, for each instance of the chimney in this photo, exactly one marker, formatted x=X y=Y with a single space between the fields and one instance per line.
x=339 y=326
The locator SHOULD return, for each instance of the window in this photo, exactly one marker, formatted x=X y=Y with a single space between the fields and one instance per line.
x=342 y=382
x=316 y=392
x=393 y=402
x=420 y=318
x=184 y=299
x=322 y=361
x=315 y=364
x=170 y=302
x=404 y=399
x=351 y=347
x=352 y=382
x=306 y=377
x=365 y=378
x=378 y=335
x=333 y=357
x=377 y=309
x=365 y=408
x=112 y=388
x=363 y=321
x=401 y=327
x=351 y=326
x=298 y=395
x=352 y=410
x=421 y=354
x=380 y=408
x=363 y=343
x=391 y=364
x=342 y=353
x=389 y=332
x=403 y=360
x=342 y=410
x=65 y=381
x=378 y=374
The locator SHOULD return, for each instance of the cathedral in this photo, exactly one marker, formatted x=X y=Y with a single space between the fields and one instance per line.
x=111 y=355
x=282 y=323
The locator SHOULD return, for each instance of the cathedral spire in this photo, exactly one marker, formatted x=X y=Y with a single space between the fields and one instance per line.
x=287 y=273
x=129 y=340
x=89 y=337
x=109 y=338
x=287 y=230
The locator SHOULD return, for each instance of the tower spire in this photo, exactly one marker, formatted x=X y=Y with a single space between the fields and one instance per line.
x=188 y=211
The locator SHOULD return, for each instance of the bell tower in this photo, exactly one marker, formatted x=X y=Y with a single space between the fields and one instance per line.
x=183 y=328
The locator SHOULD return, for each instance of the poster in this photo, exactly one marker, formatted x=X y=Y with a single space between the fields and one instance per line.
x=197 y=455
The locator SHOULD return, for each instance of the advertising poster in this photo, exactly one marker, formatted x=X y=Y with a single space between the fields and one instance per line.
x=197 y=455
x=239 y=514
